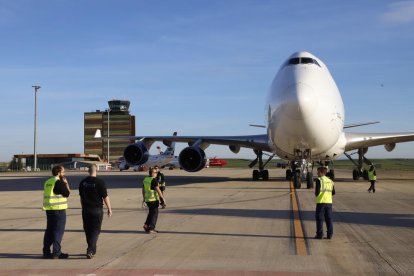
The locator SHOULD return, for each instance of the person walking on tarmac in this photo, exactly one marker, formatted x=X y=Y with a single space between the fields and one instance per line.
x=55 y=202
x=372 y=176
x=161 y=183
x=151 y=194
x=324 y=190
x=93 y=194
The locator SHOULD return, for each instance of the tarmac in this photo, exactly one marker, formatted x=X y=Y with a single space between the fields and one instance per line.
x=217 y=222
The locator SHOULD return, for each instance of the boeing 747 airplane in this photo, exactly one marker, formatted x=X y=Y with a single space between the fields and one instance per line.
x=305 y=125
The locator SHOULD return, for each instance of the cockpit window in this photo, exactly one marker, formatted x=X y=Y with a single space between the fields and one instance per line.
x=302 y=60
x=294 y=61
x=306 y=60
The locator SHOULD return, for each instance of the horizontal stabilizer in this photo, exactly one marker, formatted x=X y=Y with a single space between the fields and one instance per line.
x=361 y=124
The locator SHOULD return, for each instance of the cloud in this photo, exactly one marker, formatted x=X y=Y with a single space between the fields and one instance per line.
x=399 y=13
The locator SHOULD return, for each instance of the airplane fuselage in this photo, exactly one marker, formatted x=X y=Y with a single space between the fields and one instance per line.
x=305 y=111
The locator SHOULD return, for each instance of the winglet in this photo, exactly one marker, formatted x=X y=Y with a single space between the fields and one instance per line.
x=262 y=126
x=98 y=134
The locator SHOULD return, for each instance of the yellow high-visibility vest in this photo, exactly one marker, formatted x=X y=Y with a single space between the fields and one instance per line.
x=325 y=194
x=371 y=175
x=52 y=201
x=149 y=195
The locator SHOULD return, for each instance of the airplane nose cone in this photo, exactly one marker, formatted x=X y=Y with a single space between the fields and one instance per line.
x=301 y=101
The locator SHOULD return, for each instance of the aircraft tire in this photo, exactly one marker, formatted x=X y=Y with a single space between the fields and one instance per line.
x=355 y=174
x=297 y=180
x=288 y=174
x=256 y=175
x=309 y=180
x=365 y=175
x=332 y=174
x=265 y=174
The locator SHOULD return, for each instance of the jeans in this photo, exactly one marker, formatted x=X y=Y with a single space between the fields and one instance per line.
x=324 y=211
x=92 y=222
x=152 y=214
x=56 y=221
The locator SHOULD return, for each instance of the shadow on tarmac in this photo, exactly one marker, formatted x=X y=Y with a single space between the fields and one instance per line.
x=36 y=256
x=113 y=181
x=395 y=220
x=378 y=219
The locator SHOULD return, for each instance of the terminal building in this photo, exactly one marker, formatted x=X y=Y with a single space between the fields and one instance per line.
x=46 y=161
x=114 y=121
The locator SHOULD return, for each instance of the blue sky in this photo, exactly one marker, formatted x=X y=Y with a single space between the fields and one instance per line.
x=198 y=67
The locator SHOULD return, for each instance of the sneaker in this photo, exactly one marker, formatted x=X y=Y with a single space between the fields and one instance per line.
x=329 y=237
x=152 y=232
x=146 y=227
x=318 y=237
x=89 y=255
x=61 y=256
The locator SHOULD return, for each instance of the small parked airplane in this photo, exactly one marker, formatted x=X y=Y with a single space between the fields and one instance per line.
x=305 y=125
x=217 y=162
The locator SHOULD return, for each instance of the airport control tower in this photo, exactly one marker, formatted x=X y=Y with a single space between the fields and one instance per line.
x=120 y=123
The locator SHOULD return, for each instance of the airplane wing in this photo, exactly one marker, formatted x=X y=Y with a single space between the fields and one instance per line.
x=365 y=140
x=258 y=142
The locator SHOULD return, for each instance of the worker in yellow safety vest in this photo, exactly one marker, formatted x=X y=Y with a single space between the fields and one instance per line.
x=372 y=176
x=55 y=202
x=324 y=190
x=151 y=195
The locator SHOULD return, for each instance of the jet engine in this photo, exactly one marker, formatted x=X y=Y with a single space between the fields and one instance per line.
x=390 y=147
x=136 y=154
x=192 y=159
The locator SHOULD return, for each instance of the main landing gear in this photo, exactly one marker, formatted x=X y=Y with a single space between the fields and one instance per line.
x=261 y=173
x=358 y=172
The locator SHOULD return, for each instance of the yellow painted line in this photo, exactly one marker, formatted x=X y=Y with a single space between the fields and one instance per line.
x=300 y=243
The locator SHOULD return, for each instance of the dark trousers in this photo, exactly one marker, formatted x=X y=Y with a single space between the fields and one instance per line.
x=324 y=211
x=372 y=187
x=152 y=214
x=56 y=221
x=92 y=222
x=162 y=188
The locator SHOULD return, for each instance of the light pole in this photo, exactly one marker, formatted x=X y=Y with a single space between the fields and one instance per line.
x=107 y=147
x=36 y=87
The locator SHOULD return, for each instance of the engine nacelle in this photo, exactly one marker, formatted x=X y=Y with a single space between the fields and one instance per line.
x=390 y=147
x=136 y=154
x=192 y=159
x=234 y=149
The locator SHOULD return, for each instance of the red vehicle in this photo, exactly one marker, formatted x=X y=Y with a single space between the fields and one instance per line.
x=217 y=162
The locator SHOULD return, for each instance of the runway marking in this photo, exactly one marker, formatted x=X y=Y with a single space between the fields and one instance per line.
x=301 y=248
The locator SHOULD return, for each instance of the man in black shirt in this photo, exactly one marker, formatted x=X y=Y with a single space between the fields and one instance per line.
x=93 y=194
